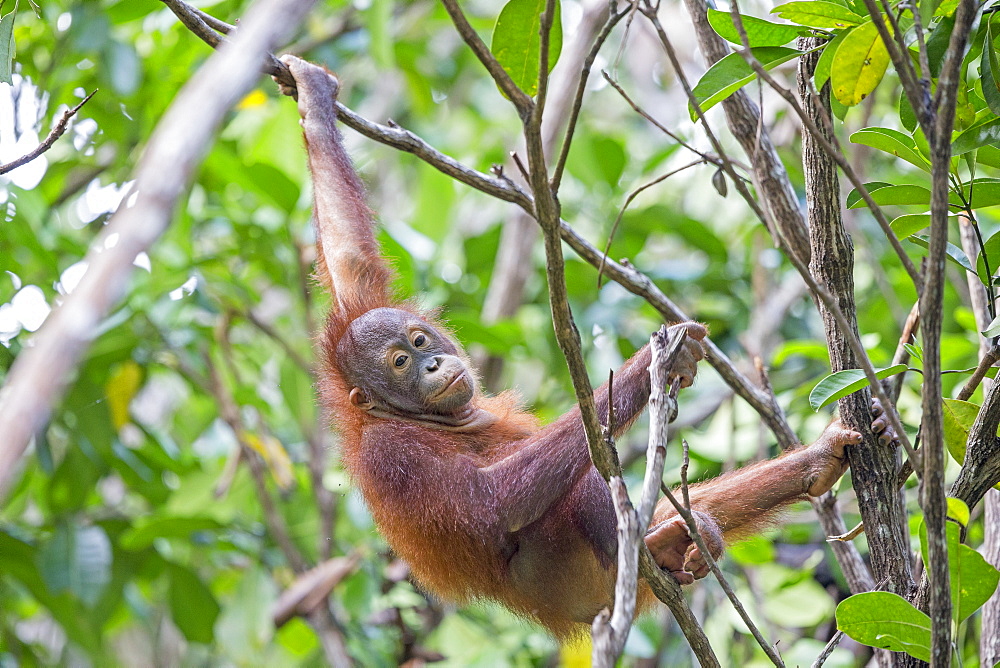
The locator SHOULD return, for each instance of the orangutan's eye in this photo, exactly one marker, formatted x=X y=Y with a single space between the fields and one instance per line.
x=400 y=361
x=419 y=339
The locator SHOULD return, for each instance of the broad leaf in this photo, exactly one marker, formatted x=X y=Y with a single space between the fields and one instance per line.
x=77 y=559
x=818 y=14
x=955 y=254
x=122 y=386
x=992 y=329
x=888 y=621
x=958 y=419
x=982 y=134
x=958 y=510
x=859 y=65
x=7 y=46
x=909 y=224
x=822 y=73
x=192 y=605
x=894 y=142
x=989 y=66
x=937 y=44
x=147 y=530
x=517 y=45
x=888 y=194
x=973 y=579
x=840 y=384
x=759 y=32
x=732 y=73
x=984 y=192
x=854 y=197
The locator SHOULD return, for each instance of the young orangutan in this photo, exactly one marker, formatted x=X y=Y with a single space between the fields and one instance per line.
x=468 y=489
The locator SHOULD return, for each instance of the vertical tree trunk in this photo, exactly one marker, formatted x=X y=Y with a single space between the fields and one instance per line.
x=873 y=466
x=989 y=644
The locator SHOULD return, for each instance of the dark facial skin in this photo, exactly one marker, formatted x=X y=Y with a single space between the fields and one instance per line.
x=399 y=362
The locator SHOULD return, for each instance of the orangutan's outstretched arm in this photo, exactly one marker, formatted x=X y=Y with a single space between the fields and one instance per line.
x=349 y=262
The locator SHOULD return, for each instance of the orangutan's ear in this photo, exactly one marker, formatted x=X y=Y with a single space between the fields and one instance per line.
x=360 y=399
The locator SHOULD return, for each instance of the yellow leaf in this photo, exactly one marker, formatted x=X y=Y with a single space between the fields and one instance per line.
x=122 y=386
x=274 y=455
x=858 y=65
x=254 y=98
x=576 y=653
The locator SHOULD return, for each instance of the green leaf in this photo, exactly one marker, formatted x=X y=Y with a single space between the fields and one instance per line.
x=192 y=605
x=985 y=192
x=888 y=621
x=517 y=44
x=888 y=194
x=958 y=419
x=955 y=254
x=840 y=384
x=822 y=73
x=981 y=134
x=732 y=73
x=146 y=530
x=378 y=21
x=7 y=46
x=818 y=14
x=958 y=511
x=77 y=559
x=854 y=197
x=992 y=329
x=937 y=44
x=759 y=32
x=916 y=352
x=973 y=580
x=859 y=65
x=909 y=224
x=946 y=8
x=907 y=117
x=894 y=142
x=989 y=156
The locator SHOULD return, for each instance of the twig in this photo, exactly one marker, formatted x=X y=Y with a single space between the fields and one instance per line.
x=696 y=536
x=581 y=87
x=55 y=133
x=628 y=200
x=196 y=21
x=985 y=364
x=272 y=518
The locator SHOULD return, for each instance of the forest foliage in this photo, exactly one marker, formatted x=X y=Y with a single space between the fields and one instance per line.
x=187 y=478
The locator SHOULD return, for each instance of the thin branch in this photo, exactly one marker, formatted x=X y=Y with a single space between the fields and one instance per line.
x=274 y=335
x=272 y=518
x=696 y=536
x=991 y=357
x=196 y=21
x=55 y=133
x=628 y=200
x=544 y=33
x=581 y=88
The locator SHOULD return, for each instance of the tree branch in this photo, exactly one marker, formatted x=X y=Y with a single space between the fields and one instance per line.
x=55 y=133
